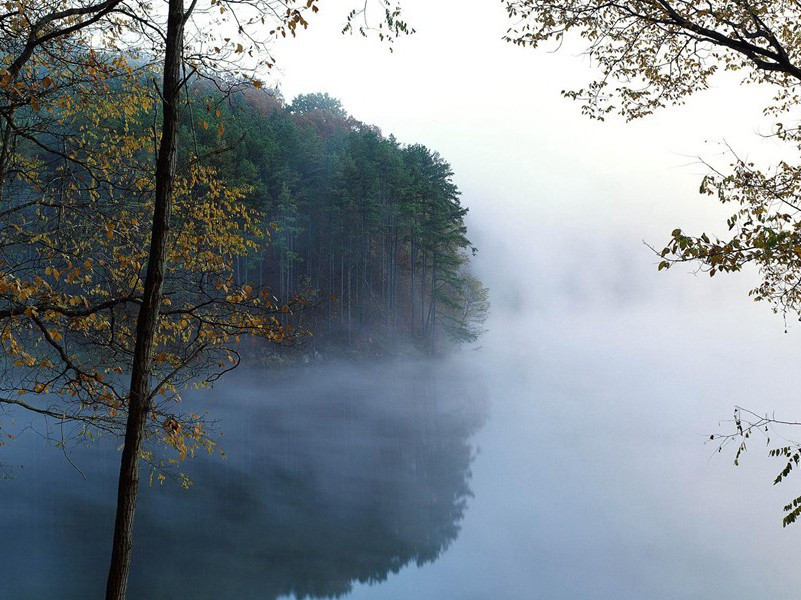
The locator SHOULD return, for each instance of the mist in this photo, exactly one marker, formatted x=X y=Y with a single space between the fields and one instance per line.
x=564 y=455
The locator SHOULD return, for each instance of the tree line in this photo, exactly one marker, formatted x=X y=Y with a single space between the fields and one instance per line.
x=373 y=228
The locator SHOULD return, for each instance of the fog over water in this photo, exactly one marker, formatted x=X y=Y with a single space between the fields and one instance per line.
x=565 y=456
x=595 y=477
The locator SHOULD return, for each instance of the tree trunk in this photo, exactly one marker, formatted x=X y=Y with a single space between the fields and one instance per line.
x=412 y=292
x=5 y=151
x=423 y=315
x=139 y=399
x=433 y=306
x=341 y=285
x=350 y=318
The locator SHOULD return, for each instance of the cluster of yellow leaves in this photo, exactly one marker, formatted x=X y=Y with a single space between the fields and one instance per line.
x=68 y=303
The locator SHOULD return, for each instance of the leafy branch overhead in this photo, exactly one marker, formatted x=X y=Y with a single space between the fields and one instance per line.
x=654 y=53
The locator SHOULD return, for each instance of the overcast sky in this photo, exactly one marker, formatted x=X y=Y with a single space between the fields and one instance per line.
x=549 y=190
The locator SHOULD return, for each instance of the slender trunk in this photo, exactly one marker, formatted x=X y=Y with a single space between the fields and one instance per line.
x=341 y=285
x=5 y=152
x=411 y=292
x=139 y=400
x=363 y=286
x=395 y=281
x=423 y=300
x=386 y=248
x=261 y=266
x=393 y=275
x=350 y=319
x=433 y=306
x=330 y=286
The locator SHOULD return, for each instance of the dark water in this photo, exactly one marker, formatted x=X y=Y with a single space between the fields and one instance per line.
x=334 y=475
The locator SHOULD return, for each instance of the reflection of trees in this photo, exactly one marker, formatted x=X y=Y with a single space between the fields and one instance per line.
x=336 y=487
x=327 y=483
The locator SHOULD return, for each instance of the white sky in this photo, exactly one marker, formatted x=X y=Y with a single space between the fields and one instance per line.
x=549 y=190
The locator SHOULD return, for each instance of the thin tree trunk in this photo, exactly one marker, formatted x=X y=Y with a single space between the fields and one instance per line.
x=423 y=315
x=362 y=290
x=5 y=152
x=412 y=292
x=393 y=276
x=350 y=319
x=433 y=306
x=139 y=400
x=341 y=285
x=329 y=289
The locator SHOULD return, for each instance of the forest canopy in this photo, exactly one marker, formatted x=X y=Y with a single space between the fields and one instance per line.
x=371 y=229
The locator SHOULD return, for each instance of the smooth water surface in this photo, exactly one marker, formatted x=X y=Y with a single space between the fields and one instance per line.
x=333 y=475
x=564 y=459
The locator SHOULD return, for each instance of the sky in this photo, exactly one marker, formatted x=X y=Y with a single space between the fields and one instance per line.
x=557 y=193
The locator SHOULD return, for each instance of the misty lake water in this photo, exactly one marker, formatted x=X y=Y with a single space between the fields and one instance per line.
x=565 y=458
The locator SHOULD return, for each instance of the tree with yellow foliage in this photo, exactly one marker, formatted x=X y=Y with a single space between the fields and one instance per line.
x=112 y=263
x=74 y=253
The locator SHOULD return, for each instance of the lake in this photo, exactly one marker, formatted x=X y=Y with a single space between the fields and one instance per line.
x=564 y=458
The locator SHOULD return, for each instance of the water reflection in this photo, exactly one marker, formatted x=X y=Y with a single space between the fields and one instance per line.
x=334 y=476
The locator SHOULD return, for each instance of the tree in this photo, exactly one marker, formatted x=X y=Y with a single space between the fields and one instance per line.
x=466 y=307
x=74 y=246
x=306 y=103
x=654 y=53
x=198 y=39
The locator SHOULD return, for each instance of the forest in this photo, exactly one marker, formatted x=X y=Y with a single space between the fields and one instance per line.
x=370 y=230
x=164 y=218
x=359 y=240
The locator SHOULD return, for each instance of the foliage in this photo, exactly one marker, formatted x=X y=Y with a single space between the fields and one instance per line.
x=306 y=103
x=208 y=39
x=71 y=272
x=466 y=309
x=358 y=216
x=653 y=53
